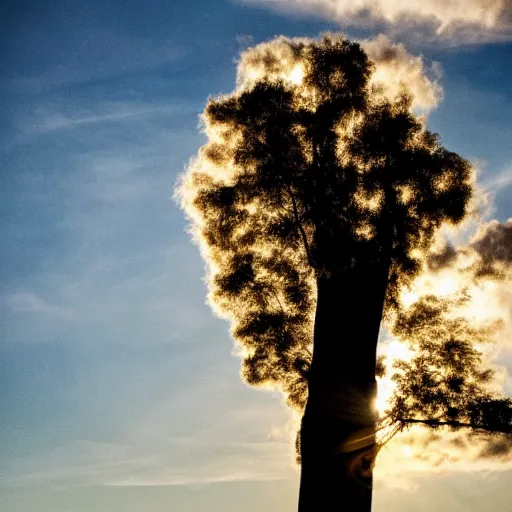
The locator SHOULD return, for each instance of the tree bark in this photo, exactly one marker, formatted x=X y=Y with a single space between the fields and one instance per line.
x=337 y=435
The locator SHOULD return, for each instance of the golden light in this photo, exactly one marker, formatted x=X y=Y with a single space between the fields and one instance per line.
x=365 y=231
x=372 y=202
x=407 y=450
x=448 y=285
x=385 y=392
x=443 y=284
x=405 y=194
x=296 y=75
x=394 y=350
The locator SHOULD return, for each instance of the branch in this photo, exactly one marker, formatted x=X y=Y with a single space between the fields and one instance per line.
x=276 y=296
x=456 y=424
x=299 y=225
x=393 y=430
x=437 y=423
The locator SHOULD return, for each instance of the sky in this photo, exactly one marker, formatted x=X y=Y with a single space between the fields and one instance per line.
x=119 y=389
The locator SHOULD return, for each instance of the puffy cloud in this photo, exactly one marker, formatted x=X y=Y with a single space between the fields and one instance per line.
x=487 y=256
x=273 y=59
x=395 y=68
x=482 y=267
x=455 y=20
x=494 y=242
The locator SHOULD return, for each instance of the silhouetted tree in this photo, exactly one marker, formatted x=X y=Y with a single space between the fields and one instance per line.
x=315 y=201
x=445 y=383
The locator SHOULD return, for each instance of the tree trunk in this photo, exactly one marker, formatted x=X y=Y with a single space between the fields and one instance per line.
x=338 y=427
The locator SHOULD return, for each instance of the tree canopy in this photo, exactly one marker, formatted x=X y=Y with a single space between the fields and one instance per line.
x=311 y=169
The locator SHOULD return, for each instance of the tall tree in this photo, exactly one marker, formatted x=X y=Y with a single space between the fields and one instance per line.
x=315 y=200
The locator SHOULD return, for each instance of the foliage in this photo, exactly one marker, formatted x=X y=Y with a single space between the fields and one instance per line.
x=309 y=178
x=445 y=383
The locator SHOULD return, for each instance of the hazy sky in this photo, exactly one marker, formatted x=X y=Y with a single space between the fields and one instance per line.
x=118 y=389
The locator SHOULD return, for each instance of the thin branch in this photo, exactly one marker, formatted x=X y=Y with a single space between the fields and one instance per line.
x=299 y=225
x=268 y=293
x=276 y=296
x=392 y=432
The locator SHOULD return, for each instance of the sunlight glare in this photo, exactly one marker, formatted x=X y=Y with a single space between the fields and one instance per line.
x=443 y=284
x=296 y=75
x=407 y=450
x=394 y=350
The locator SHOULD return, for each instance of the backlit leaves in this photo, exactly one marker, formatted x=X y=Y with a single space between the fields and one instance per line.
x=445 y=383
x=308 y=172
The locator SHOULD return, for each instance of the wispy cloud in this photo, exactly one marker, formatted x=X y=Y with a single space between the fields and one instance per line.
x=75 y=55
x=112 y=465
x=54 y=122
x=46 y=120
x=422 y=452
x=32 y=303
x=252 y=462
x=221 y=451
x=439 y=20
x=497 y=182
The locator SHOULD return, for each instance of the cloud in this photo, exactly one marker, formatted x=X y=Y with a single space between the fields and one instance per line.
x=80 y=462
x=76 y=53
x=423 y=452
x=63 y=117
x=395 y=68
x=54 y=122
x=482 y=267
x=222 y=441
x=116 y=180
x=488 y=255
x=119 y=465
x=29 y=302
x=494 y=242
x=499 y=181
x=211 y=432
x=252 y=462
x=441 y=20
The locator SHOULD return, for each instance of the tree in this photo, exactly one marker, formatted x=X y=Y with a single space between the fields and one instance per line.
x=315 y=200
x=445 y=383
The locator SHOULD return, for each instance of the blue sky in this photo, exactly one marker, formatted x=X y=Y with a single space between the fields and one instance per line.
x=119 y=390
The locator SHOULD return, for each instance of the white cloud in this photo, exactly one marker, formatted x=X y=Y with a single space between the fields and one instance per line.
x=395 y=68
x=29 y=302
x=452 y=20
x=61 y=117
x=265 y=461
x=497 y=182
x=221 y=440
x=117 y=179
